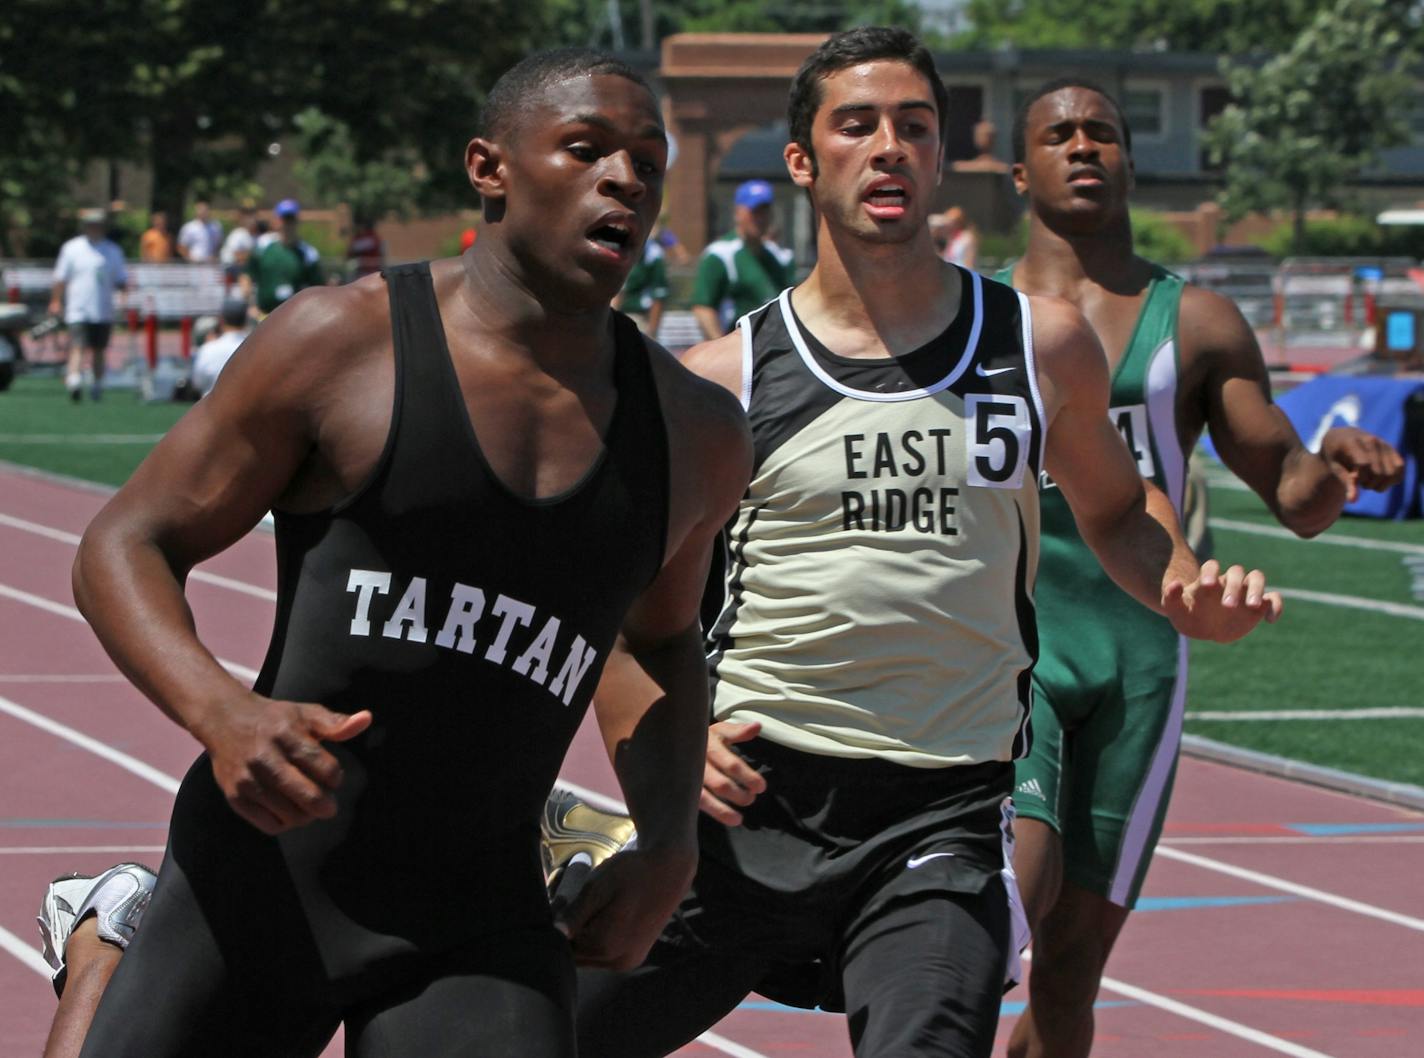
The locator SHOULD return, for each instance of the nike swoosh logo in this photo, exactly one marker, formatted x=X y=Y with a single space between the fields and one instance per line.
x=979 y=370
x=920 y=861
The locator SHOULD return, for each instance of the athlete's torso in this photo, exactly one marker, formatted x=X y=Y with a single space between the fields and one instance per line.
x=1091 y=630
x=881 y=565
x=472 y=622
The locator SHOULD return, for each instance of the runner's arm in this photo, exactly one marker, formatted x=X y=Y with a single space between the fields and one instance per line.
x=652 y=701
x=210 y=479
x=1304 y=490
x=1129 y=524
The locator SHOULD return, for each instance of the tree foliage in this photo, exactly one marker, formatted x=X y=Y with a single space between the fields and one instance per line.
x=198 y=89
x=331 y=171
x=1315 y=116
x=1222 y=26
x=748 y=16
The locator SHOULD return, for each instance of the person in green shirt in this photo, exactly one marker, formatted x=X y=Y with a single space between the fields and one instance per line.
x=646 y=288
x=279 y=268
x=744 y=270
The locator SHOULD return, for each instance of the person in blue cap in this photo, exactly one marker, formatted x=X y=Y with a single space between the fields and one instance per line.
x=743 y=270
x=279 y=268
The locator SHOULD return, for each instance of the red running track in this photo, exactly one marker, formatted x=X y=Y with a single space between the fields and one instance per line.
x=1278 y=918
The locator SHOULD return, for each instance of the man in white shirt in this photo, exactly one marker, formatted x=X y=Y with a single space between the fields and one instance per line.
x=212 y=356
x=200 y=238
x=87 y=272
x=238 y=245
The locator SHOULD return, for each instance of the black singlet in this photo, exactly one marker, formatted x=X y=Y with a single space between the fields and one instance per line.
x=473 y=623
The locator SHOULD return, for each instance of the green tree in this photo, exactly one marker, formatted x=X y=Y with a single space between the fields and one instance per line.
x=747 y=16
x=1315 y=116
x=1226 y=26
x=331 y=171
x=199 y=89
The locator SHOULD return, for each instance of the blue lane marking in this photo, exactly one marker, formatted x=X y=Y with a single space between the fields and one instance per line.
x=1007 y=1008
x=1185 y=903
x=1325 y=830
x=85 y=824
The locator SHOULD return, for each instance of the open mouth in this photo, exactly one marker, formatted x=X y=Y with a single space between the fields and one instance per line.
x=888 y=195
x=614 y=238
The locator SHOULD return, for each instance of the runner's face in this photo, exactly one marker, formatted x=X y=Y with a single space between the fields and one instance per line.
x=1075 y=164
x=876 y=139
x=584 y=183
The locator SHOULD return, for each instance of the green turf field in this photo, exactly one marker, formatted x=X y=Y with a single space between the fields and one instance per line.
x=103 y=441
x=1321 y=655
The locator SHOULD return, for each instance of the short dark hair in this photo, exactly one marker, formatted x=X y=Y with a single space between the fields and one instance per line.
x=524 y=83
x=855 y=46
x=1020 y=133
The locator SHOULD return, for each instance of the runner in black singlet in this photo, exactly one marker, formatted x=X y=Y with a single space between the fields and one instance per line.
x=478 y=516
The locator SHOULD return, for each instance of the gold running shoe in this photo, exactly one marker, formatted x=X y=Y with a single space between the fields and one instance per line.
x=570 y=828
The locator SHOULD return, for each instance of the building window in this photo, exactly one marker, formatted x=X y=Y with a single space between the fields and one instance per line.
x=1146 y=112
x=966 y=108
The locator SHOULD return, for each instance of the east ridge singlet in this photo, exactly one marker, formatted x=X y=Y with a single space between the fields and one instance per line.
x=880 y=569
x=474 y=624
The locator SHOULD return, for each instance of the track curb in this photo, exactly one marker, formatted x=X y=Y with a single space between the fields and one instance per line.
x=1403 y=794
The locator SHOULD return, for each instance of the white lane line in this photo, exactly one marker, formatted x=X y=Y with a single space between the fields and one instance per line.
x=726 y=1046
x=51 y=678
x=1381 y=712
x=80 y=438
x=1322 y=839
x=242 y=672
x=1233 y=1028
x=76 y=850
x=66 y=537
x=1270 y=881
x=1354 y=602
x=144 y=771
x=1364 y=543
x=26 y=953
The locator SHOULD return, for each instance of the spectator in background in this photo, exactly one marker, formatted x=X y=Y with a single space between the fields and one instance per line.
x=671 y=244
x=201 y=238
x=155 y=246
x=284 y=265
x=984 y=160
x=744 y=270
x=956 y=237
x=646 y=289
x=213 y=355
x=366 y=252
x=467 y=238
x=240 y=242
x=90 y=268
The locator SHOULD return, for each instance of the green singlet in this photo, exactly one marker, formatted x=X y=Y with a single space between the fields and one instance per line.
x=1110 y=683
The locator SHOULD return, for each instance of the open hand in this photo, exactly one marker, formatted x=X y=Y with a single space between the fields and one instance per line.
x=1220 y=607
x=268 y=759
x=728 y=780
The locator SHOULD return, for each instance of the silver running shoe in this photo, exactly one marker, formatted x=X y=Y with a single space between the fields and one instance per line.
x=570 y=828
x=116 y=898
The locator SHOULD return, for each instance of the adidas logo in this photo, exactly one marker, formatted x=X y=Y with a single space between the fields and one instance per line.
x=1030 y=787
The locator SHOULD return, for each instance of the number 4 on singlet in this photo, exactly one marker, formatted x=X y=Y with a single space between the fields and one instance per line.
x=1131 y=422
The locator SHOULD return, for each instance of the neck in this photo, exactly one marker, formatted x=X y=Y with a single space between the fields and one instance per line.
x=1060 y=259
x=900 y=294
x=509 y=304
